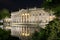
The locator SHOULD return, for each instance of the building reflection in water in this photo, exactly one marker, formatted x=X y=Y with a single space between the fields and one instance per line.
x=25 y=21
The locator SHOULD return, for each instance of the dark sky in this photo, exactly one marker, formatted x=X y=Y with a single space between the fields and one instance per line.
x=14 y=5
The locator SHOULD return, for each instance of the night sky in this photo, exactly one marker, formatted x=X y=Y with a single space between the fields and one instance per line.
x=14 y=5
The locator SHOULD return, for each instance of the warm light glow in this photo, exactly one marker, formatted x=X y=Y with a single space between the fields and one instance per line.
x=22 y=14
x=44 y=20
x=51 y=17
x=7 y=20
x=25 y=14
x=8 y=27
x=25 y=34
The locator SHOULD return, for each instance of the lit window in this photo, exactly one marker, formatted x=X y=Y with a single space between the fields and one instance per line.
x=23 y=14
x=27 y=14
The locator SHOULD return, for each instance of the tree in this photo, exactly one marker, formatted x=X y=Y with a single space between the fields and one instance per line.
x=53 y=30
x=51 y=4
x=4 y=34
x=4 y=13
x=57 y=14
x=39 y=35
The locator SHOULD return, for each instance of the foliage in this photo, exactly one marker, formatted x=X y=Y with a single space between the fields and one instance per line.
x=4 y=13
x=57 y=14
x=53 y=30
x=1 y=23
x=4 y=34
x=51 y=4
x=13 y=38
x=39 y=35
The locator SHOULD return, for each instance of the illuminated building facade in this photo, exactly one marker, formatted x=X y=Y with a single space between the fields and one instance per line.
x=25 y=21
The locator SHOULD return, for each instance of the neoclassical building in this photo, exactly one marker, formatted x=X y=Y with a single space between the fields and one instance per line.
x=25 y=21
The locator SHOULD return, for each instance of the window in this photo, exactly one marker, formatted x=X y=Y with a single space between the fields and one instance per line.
x=40 y=21
x=50 y=14
x=43 y=13
x=36 y=14
x=14 y=21
x=40 y=14
x=46 y=21
x=33 y=14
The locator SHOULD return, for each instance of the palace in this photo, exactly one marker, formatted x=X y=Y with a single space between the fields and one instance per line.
x=25 y=21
